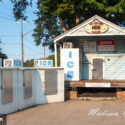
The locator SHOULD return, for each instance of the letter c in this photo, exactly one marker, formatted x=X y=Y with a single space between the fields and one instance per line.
x=70 y=64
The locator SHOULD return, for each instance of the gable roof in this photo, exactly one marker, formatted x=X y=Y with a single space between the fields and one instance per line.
x=120 y=29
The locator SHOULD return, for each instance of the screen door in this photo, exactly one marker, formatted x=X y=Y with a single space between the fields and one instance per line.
x=97 y=72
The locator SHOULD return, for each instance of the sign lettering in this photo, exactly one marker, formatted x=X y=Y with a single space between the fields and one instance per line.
x=106 y=45
x=70 y=74
x=70 y=64
x=70 y=54
x=94 y=84
x=96 y=27
x=43 y=63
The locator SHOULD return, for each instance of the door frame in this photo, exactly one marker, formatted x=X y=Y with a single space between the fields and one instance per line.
x=96 y=57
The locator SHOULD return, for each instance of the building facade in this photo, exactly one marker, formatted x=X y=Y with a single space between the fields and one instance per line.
x=102 y=46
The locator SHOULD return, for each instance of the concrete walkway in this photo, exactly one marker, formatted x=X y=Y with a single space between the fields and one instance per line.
x=76 y=112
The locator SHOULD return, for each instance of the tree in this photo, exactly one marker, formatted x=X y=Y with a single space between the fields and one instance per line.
x=29 y=63
x=2 y=55
x=57 y=16
x=19 y=8
x=52 y=58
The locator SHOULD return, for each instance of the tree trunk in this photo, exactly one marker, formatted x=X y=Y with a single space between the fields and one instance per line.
x=62 y=24
x=77 y=19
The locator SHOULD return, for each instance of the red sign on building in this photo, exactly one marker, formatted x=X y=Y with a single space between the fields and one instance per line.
x=106 y=45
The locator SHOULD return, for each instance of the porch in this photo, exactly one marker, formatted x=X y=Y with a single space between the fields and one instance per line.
x=82 y=83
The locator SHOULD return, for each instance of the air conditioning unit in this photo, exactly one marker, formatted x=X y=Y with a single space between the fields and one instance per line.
x=67 y=45
x=36 y=63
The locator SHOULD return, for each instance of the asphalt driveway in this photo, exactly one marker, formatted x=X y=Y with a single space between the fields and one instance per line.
x=76 y=112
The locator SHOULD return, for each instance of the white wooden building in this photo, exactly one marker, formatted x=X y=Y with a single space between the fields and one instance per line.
x=93 y=50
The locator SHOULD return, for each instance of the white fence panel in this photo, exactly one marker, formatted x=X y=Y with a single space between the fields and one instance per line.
x=24 y=101
x=10 y=106
x=21 y=88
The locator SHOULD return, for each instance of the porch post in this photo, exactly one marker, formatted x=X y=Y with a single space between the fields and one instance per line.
x=60 y=53
x=55 y=50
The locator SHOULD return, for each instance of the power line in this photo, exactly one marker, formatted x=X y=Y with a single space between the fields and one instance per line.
x=16 y=35
x=3 y=13
x=30 y=24
x=7 y=18
x=10 y=35
x=25 y=28
x=32 y=49
x=27 y=32
x=29 y=41
x=10 y=43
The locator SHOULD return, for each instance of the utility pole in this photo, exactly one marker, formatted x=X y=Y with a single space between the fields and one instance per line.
x=22 y=41
x=44 y=45
x=44 y=53
x=21 y=22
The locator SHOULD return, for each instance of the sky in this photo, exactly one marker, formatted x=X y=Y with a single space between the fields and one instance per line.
x=10 y=34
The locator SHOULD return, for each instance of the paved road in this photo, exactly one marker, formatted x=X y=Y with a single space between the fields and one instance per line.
x=76 y=112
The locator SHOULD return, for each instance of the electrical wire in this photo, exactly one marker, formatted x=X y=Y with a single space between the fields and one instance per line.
x=10 y=35
x=3 y=13
x=30 y=24
x=16 y=43
x=7 y=18
x=31 y=49
x=27 y=32
x=27 y=39
x=25 y=28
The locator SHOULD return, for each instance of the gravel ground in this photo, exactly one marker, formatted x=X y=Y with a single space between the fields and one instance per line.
x=76 y=112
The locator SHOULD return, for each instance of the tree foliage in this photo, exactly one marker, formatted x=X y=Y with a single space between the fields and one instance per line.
x=2 y=55
x=57 y=16
x=29 y=63
x=52 y=57
x=19 y=8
